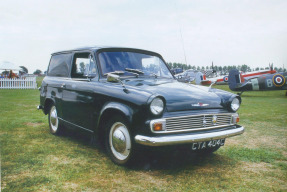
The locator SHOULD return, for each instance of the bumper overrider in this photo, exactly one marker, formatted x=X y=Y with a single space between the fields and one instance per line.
x=188 y=137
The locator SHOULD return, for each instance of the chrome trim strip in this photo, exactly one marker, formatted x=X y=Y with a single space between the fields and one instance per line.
x=76 y=125
x=197 y=129
x=189 y=138
x=199 y=115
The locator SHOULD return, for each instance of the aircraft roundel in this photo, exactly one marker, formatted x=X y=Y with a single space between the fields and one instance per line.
x=278 y=80
x=225 y=79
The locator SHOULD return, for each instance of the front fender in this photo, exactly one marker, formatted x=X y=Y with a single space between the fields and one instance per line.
x=107 y=111
x=119 y=107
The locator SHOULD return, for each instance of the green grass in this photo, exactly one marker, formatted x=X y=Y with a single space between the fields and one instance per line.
x=34 y=160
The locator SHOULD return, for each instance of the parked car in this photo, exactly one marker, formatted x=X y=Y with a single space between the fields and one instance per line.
x=128 y=97
x=176 y=71
x=186 y=76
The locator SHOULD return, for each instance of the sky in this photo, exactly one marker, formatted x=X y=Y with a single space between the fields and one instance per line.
x=231 y=32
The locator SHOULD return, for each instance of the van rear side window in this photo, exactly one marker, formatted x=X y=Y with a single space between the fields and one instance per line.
x=60 y=65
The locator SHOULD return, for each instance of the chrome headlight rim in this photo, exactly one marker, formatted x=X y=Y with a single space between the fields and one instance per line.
x=235 y=104
x=157 y=106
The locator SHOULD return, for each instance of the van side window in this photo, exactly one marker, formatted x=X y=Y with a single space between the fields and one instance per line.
x=60 y=65
x=83 y=66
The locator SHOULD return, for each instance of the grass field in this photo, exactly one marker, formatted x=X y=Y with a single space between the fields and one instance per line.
x=34 y=160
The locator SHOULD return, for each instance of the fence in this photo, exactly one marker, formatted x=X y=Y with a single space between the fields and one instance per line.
x=20 y=83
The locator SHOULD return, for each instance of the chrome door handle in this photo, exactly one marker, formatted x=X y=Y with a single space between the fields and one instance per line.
x=63 y=85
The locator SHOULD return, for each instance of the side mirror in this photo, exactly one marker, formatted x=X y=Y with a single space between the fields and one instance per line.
x=113 y=78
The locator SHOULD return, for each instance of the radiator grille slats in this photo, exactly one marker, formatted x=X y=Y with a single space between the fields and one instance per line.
x=197 y=122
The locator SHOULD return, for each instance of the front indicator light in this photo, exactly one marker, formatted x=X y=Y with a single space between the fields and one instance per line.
x=237 y=119
x=158 y=125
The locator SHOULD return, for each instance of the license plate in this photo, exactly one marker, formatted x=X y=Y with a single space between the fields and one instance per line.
x=207 y=144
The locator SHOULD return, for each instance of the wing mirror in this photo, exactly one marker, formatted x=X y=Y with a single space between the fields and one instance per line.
x=113 y=77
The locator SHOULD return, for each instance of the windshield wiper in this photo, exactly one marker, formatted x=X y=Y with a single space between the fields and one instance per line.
x=137 y=71
x=116 y=73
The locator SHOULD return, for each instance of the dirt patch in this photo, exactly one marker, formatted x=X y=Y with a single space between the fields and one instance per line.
x=262 y=171
x=71 y=186
x=254 y=139
x=29 y=124
x=256 y=167
x=19 y=175
x=257 y=140
x=154 y=181
x=65 y=160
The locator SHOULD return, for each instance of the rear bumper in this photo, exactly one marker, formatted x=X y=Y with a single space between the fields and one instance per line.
x=187 y=138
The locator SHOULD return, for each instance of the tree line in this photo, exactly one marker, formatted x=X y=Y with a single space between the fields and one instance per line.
x=222 y=69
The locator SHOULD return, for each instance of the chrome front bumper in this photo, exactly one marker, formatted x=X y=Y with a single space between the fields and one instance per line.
x=188 y=138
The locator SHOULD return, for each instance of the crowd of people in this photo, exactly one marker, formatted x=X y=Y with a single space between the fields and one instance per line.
x=11 y=75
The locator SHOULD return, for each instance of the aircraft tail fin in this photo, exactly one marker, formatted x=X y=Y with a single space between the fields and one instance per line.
x=271 y=67
x=235 y=79
x=213 y=70
x=198 y=78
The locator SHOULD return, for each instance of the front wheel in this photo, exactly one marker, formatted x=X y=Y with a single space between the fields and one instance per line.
x=119 y=144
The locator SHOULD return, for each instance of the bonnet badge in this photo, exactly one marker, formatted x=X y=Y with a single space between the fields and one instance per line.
x=214 y=119
x=199 y=104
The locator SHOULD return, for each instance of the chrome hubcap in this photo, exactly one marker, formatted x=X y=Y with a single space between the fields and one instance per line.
x=120 y=142
x=53 y=119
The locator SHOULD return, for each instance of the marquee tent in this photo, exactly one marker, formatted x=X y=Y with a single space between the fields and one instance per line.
x=6 y=65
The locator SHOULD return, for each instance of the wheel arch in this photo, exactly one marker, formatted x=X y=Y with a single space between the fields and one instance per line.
x=109 y=110
x=47 y=105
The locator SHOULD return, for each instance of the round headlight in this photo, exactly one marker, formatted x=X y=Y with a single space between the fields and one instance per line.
x=235 y=104
x=156 y=106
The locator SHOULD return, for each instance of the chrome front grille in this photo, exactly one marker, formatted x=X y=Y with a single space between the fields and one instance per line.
x=197 y=122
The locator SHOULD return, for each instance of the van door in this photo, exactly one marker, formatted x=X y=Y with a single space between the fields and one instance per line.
x=78 y=95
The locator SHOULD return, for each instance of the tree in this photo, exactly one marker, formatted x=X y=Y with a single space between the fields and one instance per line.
x=244 y=68
x=220 y=70
x=224 y=70
x=24 y=69
x=37 y=72
x=169 y=64
x=5 y=73
x=82 y=67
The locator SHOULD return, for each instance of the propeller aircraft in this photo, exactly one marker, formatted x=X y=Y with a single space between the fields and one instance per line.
x=263 y=82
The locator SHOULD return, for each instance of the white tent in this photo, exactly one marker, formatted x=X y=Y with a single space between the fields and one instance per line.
x=6 y=65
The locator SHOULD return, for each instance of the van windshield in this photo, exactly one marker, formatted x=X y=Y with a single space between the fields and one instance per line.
x=123 y=60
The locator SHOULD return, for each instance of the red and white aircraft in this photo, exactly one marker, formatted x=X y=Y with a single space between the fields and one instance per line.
x=221 y=80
